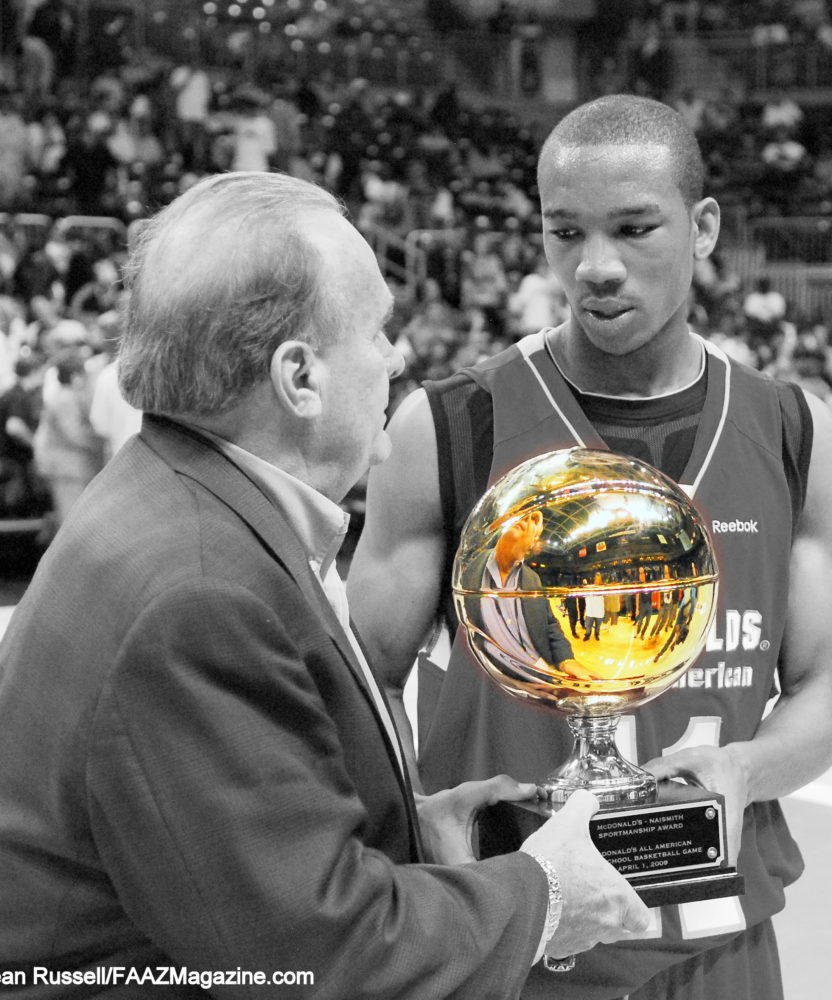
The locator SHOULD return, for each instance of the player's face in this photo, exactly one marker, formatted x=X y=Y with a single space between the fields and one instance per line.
x=361 y=361
x=619 y=237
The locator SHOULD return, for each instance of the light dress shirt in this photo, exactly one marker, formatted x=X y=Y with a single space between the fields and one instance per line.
x=504 y=622
x=321 y=526
x=503 y=618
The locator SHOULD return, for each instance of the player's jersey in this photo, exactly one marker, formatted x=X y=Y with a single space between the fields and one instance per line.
x=736 y=478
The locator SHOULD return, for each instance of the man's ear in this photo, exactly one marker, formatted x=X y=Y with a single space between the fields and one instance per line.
x=706 y=227
x=295 y=373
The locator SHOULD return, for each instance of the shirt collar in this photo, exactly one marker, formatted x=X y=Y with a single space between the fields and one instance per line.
x=511 y=580
x=320 y=524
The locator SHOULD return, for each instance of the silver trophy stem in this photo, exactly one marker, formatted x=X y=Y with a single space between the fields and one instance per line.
x=597 y=765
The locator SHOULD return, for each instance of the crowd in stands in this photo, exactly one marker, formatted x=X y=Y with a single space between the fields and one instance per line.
x=462 y=179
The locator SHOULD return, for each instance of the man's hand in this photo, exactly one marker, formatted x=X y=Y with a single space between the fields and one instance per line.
x=573 y=667
x=447 y=818
x=717 y=770
x=599 y=905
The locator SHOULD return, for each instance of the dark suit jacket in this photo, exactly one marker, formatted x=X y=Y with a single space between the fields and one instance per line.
x=544 y=629
x=192 y=771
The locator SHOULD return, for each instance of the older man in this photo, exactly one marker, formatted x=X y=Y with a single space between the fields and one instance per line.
x=198 y=768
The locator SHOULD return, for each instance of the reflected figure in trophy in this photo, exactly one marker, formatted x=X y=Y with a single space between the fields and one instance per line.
x=595 y=612
x=575 y=608
x=679 y=632
x=519 y=629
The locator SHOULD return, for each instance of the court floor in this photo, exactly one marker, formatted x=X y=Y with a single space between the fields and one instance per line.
x=804 y=929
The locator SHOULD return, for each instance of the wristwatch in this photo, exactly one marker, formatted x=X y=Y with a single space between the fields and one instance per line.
x=553 y=913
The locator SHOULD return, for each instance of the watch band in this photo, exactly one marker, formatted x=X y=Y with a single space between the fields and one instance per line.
x=555 y=894
x=553 y=912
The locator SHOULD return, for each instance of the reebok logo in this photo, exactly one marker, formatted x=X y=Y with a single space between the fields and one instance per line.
x=734 y=527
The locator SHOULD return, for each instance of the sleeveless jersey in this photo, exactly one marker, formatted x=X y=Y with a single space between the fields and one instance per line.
x=735 y=475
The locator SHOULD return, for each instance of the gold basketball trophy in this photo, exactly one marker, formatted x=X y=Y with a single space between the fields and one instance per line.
x=596 y=538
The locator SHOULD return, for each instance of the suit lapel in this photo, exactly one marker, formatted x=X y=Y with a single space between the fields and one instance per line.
x=193 y=455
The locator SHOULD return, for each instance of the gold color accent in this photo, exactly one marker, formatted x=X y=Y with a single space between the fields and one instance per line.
x=611 y=531
x=587 y=581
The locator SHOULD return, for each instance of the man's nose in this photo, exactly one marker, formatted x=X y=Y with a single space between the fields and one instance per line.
x=394 y=360
x=600 y=263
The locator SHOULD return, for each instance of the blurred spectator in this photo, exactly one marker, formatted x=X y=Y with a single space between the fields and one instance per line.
x=501 y=21
x=781 y=112
x=35 y=68
x=764 y=305
x=484 y=283
x=254 y=135
x=90 y=165
x=192 y=87
x=433 y=323
x=714 y=283
x=54 y=21
x=65 y=337
x=538 y=301
x=100 y=295
x=10 y=26
x=46 y=141
x=610 y=78
x=720 y=118
x=810 y=369
x=808 y=18
x=764 y=309
x=285 y=117
x=385 y=201
x=691 y=106
x=307 y=99
x=148 y=152
x=22 y=492
x=786 y=162
x=68 y=453
x=770 y=24
x=15 y=339
x=650 y=66
x=445 y=110
x=732 y=338
x=112 y=418
x=13 y=152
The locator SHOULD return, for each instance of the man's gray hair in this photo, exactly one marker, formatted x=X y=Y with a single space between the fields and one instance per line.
x=217 y=281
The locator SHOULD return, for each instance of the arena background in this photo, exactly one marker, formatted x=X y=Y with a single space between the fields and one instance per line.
x=424 y=116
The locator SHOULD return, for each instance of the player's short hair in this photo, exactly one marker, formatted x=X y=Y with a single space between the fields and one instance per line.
x=627 y=120
x=217 y=281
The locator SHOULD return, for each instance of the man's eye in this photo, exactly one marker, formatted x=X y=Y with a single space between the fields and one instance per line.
x=563 y=234
x=637 y=230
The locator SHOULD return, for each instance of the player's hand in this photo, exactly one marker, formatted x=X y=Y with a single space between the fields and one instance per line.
x=446 y=819
x=599 y=905
x=717 y=769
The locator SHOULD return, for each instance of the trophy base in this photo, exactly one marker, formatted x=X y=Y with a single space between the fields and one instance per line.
x=597 y=765
x=623 y=786
x=671 y=850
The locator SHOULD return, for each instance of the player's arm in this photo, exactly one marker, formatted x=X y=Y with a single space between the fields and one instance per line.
x=395 y=575
x=793 y=744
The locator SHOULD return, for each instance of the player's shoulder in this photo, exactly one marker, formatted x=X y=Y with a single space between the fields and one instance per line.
x=460 y=384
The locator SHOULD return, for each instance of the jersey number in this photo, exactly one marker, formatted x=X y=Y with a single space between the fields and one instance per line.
x=708 y=916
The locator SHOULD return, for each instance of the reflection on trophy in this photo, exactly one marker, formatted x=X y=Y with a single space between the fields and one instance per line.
x=586 y=581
